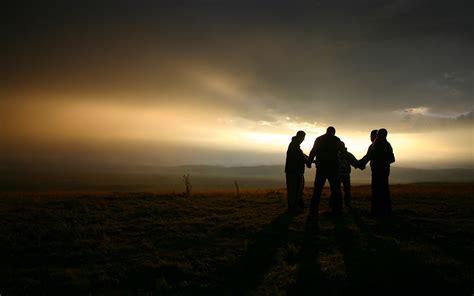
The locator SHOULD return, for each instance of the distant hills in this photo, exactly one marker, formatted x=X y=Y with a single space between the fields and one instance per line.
x=203 y=177
x=276 y=172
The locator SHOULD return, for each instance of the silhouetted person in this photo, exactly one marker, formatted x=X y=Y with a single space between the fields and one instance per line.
x=325 y=149
x=346 y=159
x=380 y=154
x=294 y=169
x=373 y=136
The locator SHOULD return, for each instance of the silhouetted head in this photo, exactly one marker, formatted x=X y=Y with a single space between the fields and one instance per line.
x=331 y=131
x=300 y=136
x=373 y=135
x=382 y=133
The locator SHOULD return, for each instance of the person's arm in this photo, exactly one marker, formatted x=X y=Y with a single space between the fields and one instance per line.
x=351 y=159
x=364 y=160
x=391 y=156
x=303 y=157
x=312 y=154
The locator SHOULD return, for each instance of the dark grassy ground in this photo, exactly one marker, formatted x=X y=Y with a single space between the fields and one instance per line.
x=216 y=243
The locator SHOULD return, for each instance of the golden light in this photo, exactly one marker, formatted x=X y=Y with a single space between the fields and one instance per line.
x=92 y=121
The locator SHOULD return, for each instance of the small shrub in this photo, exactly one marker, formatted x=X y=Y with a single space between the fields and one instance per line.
x=187 y=184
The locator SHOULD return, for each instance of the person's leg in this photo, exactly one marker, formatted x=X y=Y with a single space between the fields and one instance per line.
x=291 y=190
x=377 y=195
x=346 y=184
x=340 y=184
x=373 y=203
x=336 y=198
x=389 y=198
x=319 y=181
x=385 y=194
x=300 y=197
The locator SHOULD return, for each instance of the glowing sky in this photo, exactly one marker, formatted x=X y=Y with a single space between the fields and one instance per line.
x=221 y=82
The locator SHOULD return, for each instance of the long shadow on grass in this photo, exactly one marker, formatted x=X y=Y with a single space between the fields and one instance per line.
x=309 y=277
x=380 y=267
x=245 y=275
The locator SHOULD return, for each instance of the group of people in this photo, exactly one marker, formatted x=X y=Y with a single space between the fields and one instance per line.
x=333 y=163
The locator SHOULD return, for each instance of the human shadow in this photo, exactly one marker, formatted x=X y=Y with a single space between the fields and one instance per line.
x=357 y=262
x=375 y=264
x=245 y=275
x=309 y=277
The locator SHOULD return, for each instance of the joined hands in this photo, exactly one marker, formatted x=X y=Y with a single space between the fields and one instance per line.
x=360 y=165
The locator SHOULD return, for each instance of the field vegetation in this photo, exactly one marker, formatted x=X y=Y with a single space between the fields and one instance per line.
x=144 y=243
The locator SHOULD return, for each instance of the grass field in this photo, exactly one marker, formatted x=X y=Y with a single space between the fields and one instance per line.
x=216 y=243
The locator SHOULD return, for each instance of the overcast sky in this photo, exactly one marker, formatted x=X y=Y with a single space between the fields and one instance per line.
x=229 y=82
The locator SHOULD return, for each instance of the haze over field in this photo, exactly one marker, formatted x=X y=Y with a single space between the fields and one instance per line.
x=202 y=177
x=126 y=83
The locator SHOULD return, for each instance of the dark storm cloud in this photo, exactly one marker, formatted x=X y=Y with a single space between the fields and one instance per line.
x=309 y=60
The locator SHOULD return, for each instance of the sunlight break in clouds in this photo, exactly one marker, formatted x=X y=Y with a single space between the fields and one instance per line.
x=416 y=110
x=172 y=82
x=115 y=126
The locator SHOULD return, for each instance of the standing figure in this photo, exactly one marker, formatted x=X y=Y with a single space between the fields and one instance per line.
x=294 y=170
x=373 y=136
x=346 y=159
x=380 y=154
x=325 y=149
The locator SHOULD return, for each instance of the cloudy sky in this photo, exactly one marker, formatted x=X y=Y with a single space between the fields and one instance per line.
x=229 y=82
